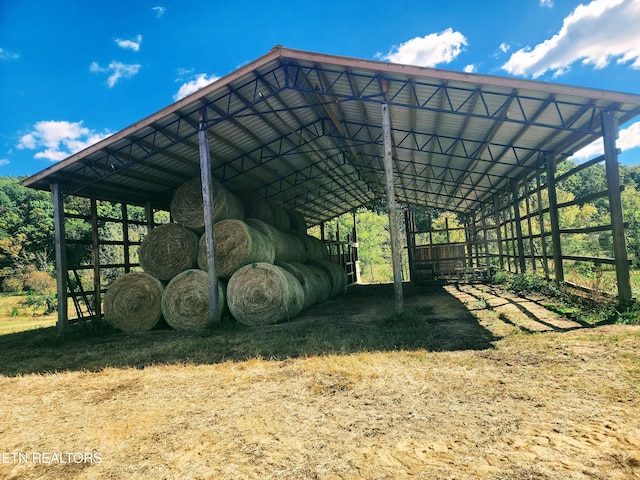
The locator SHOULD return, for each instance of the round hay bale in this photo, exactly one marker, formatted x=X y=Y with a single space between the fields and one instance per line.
x=315 y=248
x=256 y=207
x=337 y=276
x=323 y=292
x=297 y=221
x=168 y=250
x=236 y=244
x=185 y=302
x=280 y=217
x=264 y=294
x=235 y=208
x=187 y=207
x=132 y=303
x=307 y=279
x=296 y=251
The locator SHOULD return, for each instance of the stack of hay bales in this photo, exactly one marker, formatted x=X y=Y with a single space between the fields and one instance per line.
x=274 y=269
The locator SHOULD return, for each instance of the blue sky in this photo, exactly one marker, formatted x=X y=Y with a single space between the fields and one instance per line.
x=73 y=72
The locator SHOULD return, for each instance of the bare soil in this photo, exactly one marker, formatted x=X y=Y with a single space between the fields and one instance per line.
x=474 y=383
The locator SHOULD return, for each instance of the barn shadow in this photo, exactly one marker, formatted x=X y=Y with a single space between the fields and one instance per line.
x=364 y=320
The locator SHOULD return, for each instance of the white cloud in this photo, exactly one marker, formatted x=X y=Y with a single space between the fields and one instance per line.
x=159 y=11
x=117 y=70
x=428 y=51
x=131 y=44
x=193 y=85
x=594 y=34
x=56 y=140
x=504 y=47
x=629 y=138
x=546 y=3
x=470 y=68
x=7 y=55
x=3 y=162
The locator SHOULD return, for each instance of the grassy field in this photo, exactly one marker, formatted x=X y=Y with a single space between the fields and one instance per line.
x=473 y=384
x=15 y=316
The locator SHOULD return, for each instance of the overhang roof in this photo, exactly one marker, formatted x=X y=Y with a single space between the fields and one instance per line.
x=305 y=130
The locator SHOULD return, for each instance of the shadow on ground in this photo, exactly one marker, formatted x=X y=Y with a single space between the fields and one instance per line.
x=362 y=321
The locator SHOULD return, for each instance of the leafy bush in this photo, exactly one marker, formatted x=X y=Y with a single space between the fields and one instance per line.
x=42 y=291
x=12 y=284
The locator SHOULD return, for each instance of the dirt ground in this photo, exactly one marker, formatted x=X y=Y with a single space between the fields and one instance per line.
x=497 y=388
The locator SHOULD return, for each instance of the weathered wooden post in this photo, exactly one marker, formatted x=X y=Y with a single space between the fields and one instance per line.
x=207 y=200
x=61 y=257
x=610 y=133
x=555 y=221
x=396 y=258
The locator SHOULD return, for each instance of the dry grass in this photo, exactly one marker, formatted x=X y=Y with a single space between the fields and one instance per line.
x=457 y=390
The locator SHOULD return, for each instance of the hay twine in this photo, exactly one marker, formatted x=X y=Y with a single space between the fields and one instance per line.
x=264 y=294
x=168 y=250
x=186 y=304
x=236 y=244
x=132 y=303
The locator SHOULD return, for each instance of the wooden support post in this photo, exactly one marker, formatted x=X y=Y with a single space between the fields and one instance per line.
x=61 y=257
x=516 y=212
x=555 y=221
x=496 y=215
x=95 y=253
x=148 y=216
x=356 y=257
x=610 y=134
x=125 y=237
x=483 y=222
x=207 y=200
x=527 y=203
x=393 y=218
x=543 y=240
x=408 y=228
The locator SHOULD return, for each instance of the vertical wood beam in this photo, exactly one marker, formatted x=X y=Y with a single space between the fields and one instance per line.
x=529 y=226
x=555 y=221
x=543 y=240
x=496 y=215
x=95 y=252
x=61 y=257
x=610 y=134
x=125 y=237
x=516 y=213
x=393 y=218
x=207 y=200
x=483 y=222
x=408 y=227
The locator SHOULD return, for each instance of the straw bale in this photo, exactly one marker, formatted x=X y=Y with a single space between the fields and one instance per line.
x=187 y=207
x=167 y=250
x=297 y=221
x=263 y=294
x=280 y=217
x=288 y=248
x=337 y=276
x=256 y=207
x=307 y=279
x=236 y=244
x=185 y=302
x=315 y=248
x=323 y=291
x=132 y=303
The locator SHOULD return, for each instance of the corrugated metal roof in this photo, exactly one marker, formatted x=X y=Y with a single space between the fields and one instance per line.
x=304 y=129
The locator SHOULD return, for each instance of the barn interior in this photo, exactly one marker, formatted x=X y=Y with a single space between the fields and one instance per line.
x=326 y=135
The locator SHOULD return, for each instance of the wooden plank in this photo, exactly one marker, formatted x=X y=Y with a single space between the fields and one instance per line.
x=555 y=221
x=610 y=133
x=207 y=199
x=393 y=219
x=95 y=251
x=496 y=214
x=518 y=221
x=61 y=257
